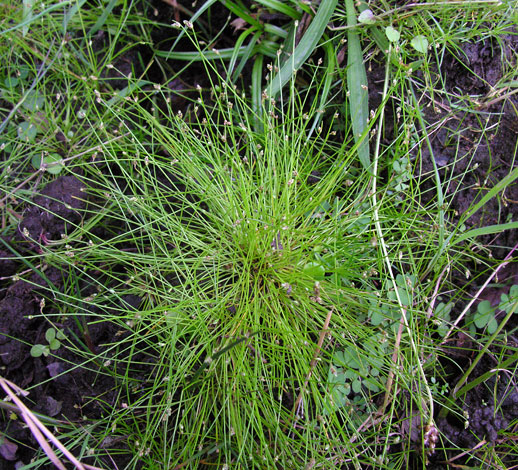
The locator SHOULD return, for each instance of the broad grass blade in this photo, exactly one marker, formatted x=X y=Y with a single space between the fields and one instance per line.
x=281 y=7
x=306 y=46
x=244 y=57
x=357 y=87
x=500 y=186
x=488 y=230
x=242 y=13
x=28 y=6
x=72 y=11
x=257 y=75
x=102 y=19
x=326 y=88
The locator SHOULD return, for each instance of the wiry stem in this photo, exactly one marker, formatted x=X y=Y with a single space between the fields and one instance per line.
x=386 y=259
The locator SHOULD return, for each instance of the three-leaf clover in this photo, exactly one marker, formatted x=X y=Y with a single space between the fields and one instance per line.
x=485 y=316
x=53 y=163
x=507 y=300
x=54 y=338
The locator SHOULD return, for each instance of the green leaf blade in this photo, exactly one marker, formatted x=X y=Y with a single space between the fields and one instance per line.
x=305 y=47
x=357 y=87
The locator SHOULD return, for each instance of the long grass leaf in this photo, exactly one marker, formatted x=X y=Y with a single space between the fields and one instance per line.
x=509 y=362
x=71 y=13
x=489 y=230
x=106 y=11
x=275 y=30
x=227 y=53
x=328 y=80
x=500 y=186
x=257 y=76
x=306 y=46
x=264 y=48
x=246 y=56
x=281 y=7
x=239 y=11
x=357 y=87
x=28 y=6
x=239 y=43
x=484 y=350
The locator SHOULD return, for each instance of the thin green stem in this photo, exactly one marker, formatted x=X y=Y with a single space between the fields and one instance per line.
x=458 y=388
x=383 y=245
x=438 y=184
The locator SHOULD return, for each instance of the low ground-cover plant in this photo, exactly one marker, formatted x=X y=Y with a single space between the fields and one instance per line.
x=241 y=292
x=53 y=338
x=485 y=314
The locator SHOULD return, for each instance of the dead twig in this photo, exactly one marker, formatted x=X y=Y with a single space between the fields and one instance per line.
x=38 y=429
x=479 y=292
x=429 y=312
x=313 y=363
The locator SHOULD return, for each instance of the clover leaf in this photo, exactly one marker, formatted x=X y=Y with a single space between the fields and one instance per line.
x=485 y=316
x=507 y=300
x=54 y=338
x=420 y=44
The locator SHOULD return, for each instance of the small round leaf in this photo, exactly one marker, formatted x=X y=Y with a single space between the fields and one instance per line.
x=371 y=386
x=315 y=270
x=54 y=163
x=484 y=307
x=367 y=17
x=50 y=334
x=376 y=317
x=34 y=101
x=392 y=34
x=492 y=325
x=420 y=44
x=27 y=131
x=11 y=82
x=38 y=350
x=357 y=385
x=482 y=319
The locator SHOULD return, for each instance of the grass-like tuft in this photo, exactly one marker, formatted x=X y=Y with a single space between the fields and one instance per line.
x=277 y=277
x=240 y=244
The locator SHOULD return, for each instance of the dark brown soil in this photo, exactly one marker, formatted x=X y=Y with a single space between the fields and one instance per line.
x=489 y=160
x=54 y=393
x=62 y=203
x=458 y=149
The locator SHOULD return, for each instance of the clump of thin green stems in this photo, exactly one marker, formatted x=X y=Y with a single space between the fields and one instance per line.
x=221 y=218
